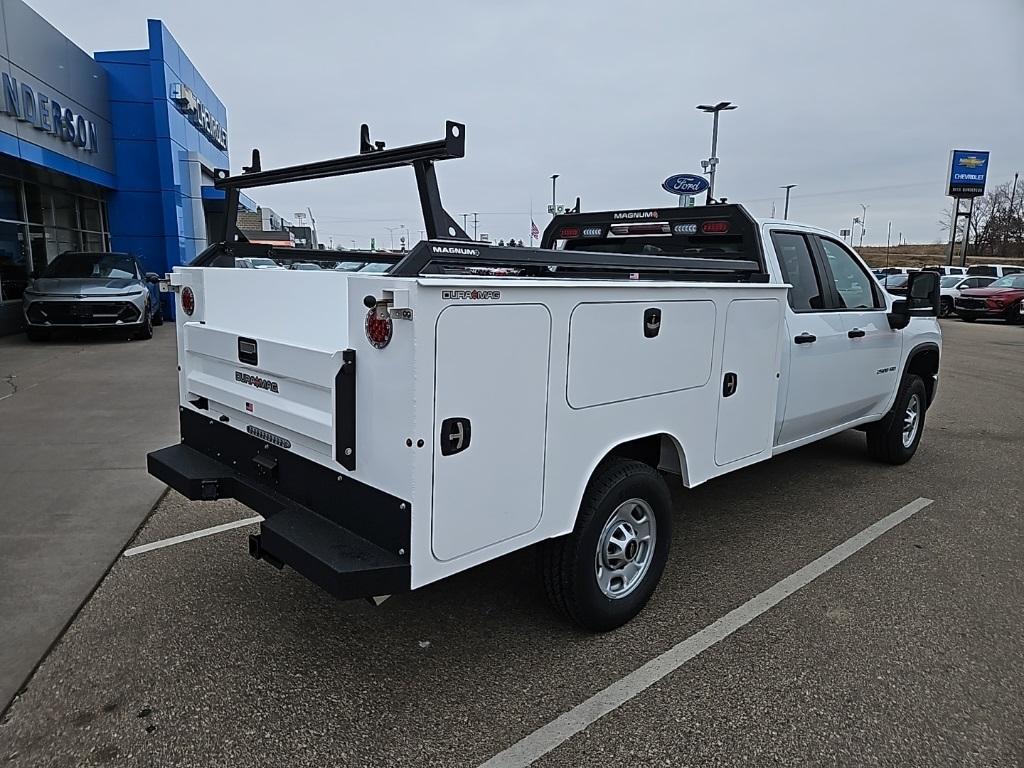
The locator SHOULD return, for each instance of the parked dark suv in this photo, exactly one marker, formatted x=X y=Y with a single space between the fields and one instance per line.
x=96 y=290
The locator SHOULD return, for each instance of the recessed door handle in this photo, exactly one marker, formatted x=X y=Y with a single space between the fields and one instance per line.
x=856 y=333
x=805 y=338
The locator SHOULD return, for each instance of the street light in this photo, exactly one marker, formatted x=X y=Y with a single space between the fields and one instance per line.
x=554 y=178
x=391 y=231
x=713 y=160
x=787 y=187
x=863 y=222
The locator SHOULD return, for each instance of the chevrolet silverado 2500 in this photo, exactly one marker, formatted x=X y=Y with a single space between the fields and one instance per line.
x=465 y=400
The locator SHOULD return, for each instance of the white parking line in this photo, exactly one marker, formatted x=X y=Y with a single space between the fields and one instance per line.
x=190 y=536
x=560 y=730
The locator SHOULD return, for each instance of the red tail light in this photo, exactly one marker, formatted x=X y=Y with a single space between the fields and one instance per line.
x=188 y=300
x=378 y=328
x=714 y=227
x=566 y=233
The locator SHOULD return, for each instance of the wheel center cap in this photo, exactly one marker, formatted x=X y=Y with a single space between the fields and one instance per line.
x=631 y=550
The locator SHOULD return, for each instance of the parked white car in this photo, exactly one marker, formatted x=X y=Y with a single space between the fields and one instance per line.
x=995 y=270
x=951 y=285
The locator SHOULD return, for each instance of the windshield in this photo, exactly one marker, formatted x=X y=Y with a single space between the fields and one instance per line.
x=950 y=280
x=99 y=265
x=1010 y=281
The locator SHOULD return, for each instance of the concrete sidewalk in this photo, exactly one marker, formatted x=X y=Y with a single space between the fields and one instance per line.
x=77 y=416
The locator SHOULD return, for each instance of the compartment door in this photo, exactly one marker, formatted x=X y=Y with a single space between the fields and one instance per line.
x=490 y=424
x=750 y=384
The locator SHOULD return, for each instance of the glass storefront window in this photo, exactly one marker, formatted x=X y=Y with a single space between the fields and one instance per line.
x=13 y=267
x=89 y=211
x=49 y=222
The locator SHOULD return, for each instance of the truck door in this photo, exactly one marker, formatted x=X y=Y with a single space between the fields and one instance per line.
x=490 y=424
x=815 y=345
x=873 y=349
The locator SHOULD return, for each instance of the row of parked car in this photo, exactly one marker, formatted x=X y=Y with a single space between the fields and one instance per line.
x=992 y=291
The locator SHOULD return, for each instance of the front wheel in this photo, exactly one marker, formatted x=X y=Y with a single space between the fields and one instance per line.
x=945 y=307
x=603 y=573
x=895 y=438
x=146 y=328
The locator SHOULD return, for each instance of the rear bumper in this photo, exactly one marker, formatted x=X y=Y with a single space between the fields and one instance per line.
x=305 y=507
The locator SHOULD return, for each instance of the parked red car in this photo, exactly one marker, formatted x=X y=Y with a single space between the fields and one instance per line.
x=1001 y=300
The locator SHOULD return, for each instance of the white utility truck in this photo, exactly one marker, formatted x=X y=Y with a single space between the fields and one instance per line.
x=460 y=401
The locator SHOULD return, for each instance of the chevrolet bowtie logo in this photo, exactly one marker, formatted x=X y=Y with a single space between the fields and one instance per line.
x=971 y=162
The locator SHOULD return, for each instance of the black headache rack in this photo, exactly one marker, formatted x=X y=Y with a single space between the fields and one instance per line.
x=449 y=250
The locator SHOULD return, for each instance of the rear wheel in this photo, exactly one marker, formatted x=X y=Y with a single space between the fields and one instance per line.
x=895 y=438
x=603 y=573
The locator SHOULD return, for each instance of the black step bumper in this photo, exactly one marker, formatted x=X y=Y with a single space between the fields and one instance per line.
x=304 y=504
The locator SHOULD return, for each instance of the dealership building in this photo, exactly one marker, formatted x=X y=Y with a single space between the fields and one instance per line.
x=114 y=151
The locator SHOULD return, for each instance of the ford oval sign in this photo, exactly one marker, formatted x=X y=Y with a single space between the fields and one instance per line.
x=685 y=184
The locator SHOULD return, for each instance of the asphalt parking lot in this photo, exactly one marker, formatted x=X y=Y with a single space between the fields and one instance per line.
x=909 y=652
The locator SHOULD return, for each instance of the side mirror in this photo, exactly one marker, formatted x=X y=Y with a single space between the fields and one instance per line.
x=923 y=294
x=899 y=317
x=152 y=277
x=922 y=300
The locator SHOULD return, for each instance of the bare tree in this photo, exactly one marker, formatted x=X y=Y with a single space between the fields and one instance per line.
x=996 y=230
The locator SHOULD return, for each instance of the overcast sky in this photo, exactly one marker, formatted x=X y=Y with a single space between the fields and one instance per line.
x=854 y=102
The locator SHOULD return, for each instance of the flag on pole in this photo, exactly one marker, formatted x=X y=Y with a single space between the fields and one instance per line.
x=534 y=232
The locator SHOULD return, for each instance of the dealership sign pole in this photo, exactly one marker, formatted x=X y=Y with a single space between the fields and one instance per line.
x=968 y=172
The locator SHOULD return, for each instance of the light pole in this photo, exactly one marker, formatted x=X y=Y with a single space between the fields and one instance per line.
x=713 y=160
x=853 y=226
x=888 y=237
x=863 y=222
x=391 y=231
x=554 y=179
x=787 y=187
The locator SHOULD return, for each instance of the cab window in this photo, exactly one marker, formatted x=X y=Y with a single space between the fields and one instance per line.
x=799 y=270
x=853 y=285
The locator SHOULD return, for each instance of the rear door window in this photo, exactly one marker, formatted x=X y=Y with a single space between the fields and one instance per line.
x=799 y=270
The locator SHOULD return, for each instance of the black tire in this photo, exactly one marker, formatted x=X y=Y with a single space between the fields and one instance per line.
x=37 y=334
x=945 y=307
x=158 y=316
x=146 y=329
x=886 y=438
x=569 y=563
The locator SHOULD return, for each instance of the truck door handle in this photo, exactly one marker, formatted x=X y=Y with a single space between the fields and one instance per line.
x=805 y=338
x=856 y=333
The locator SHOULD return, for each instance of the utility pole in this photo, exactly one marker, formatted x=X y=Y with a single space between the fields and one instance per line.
x=464 y=225
x=888 y=237
x=863 y=222
x=712 y=162
x=785 y=212
x=1009 y=214
x=475 y=215
x=554 y=203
